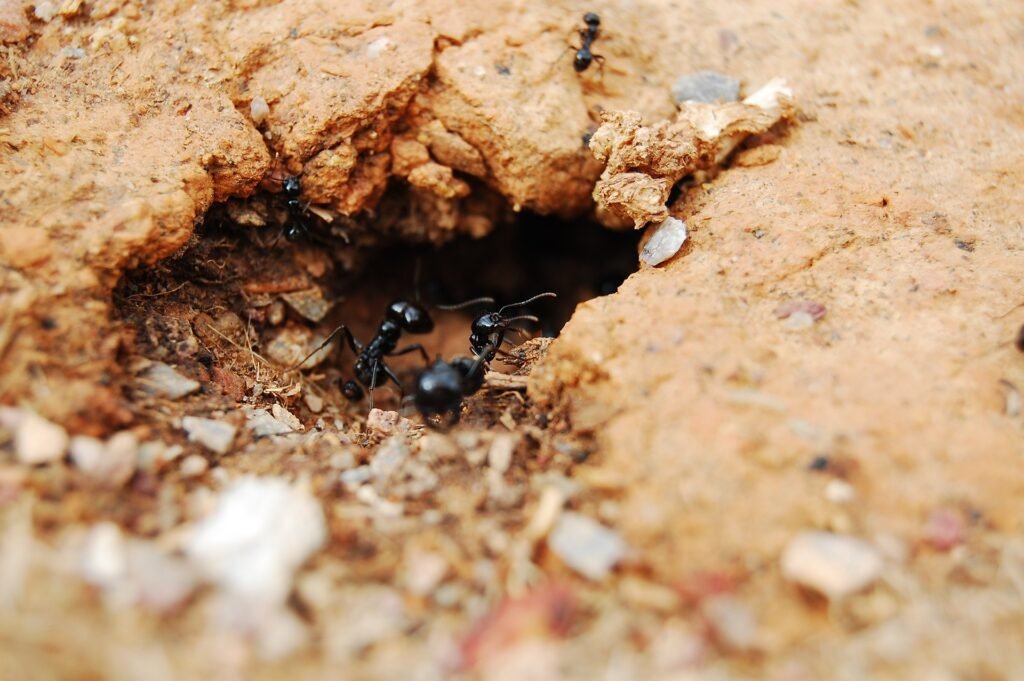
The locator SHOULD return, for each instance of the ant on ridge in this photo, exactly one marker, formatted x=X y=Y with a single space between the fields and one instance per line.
x=441 y=387
x=487 y=332
x=583 y=57
x=295 y=227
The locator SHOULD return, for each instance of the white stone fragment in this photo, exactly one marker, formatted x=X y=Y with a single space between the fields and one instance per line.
x=374 y=49
x=193 y=466
x=38 y=441
x=286 y=417
x=164 y=380
x=217 y=436
x=258 y=110
x=834 y=565
x=499 y=455
x=104 y=561
x=45 y=11
x=586 y=546
x=731 y=622
x=666 y=240
x=262 y=424
x=261 y=532
x=110 y=464
x=424 y=571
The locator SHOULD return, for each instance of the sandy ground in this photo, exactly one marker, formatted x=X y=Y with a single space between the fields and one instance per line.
x=800 y=437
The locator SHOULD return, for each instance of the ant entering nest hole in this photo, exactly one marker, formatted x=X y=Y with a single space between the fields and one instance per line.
x=237 y=313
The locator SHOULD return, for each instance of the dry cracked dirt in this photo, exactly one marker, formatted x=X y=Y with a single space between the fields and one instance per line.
x=790 y=450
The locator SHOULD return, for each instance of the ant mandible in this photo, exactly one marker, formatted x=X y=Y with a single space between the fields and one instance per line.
x=583 y=58
x=441 y=387
x=487 y=332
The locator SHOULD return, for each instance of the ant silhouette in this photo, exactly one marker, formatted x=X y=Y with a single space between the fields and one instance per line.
x=487 y=332
x=441 y=387
x=584 y=57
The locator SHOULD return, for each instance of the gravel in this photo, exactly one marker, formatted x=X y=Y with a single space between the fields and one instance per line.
x=217 y=436
x=38 y=441
x=261 y=532
x=262 y=424
x=586 y=546
x=110 y=463
x=164 y=380
x=666 y=240
x=834 y=565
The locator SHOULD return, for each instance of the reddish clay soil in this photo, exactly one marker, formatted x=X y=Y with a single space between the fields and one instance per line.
x=791 y=451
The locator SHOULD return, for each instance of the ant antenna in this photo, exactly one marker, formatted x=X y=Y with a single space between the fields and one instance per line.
x=547 y=294
x=526 y=317
x=468 y=303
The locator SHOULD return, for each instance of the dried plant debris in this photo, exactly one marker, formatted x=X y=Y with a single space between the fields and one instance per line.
x=644 y=162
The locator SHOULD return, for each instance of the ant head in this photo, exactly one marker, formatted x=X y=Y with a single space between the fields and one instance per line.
x=489 y=323
x=591 y=19
x=411 y=317
x=291 y=185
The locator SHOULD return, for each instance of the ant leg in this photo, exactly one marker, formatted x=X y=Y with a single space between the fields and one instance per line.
x=373 y=381
x=322 y=345
x=412 y=348
x=356 y=346
x=391 y=374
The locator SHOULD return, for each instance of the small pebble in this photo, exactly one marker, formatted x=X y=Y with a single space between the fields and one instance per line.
x=162 y=379
x=314 y=403
x=45 y=11
x=374 y=49
x=286 y=417
x=293 y=344
x=499 y=456
x=261 y=531
x=217 y=436
x=262 y=424
x=355 y=477
x=309 y=303
x=382 y=422
x=258 y=110
x=586 y=546
x=666 y=240
x=110 y=464
x=389 y=458
x=424 y=571
x=944 y=529
x=840 y=492
x=38 y=441
x=706 y=86
x=834 y=565
x=731 y=623
x=103 y=560
x=193 y=465
x=808 y=308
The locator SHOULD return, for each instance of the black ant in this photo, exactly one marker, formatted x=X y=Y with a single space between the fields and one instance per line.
x=441 y=387
x=487 y=332
x=583 y=58
x=296 y=228
x=402 y=316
